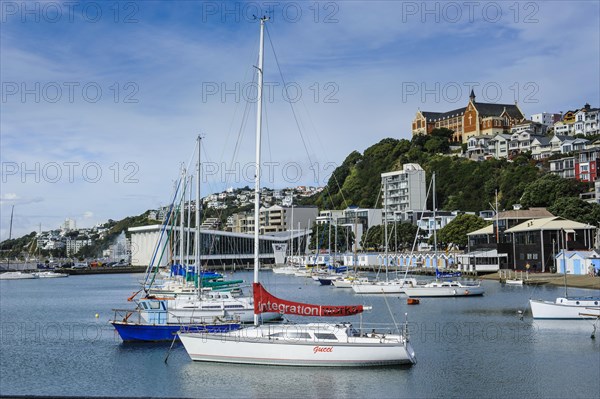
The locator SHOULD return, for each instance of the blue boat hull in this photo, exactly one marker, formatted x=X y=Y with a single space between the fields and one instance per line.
x=131 y=332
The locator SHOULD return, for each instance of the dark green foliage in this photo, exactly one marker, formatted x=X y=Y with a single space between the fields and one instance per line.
x=456 y=231
x=461 y=184
x=573 y=208
x=548 y=189
x=14 y=247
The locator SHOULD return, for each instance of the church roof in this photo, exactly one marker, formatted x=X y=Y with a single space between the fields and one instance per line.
x=484 y=109
x=491 y=109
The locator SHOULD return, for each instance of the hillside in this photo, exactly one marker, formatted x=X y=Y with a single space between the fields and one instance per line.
x=461 y=184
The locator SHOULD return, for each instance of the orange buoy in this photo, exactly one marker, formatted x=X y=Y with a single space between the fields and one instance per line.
x=412 y=301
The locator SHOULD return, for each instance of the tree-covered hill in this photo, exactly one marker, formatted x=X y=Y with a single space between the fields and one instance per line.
x=461 y=184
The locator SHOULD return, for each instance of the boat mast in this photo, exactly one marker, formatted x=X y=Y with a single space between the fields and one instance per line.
x=259 y=71
x=197 y=239
x=435 y=261
x=385 y=228
x=182 y=217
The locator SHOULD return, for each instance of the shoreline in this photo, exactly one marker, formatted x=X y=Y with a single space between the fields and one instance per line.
x=573 y=281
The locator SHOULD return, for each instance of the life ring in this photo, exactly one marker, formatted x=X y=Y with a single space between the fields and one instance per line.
x=466 y=292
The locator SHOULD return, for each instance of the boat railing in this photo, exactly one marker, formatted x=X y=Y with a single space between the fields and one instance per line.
x=132 y=316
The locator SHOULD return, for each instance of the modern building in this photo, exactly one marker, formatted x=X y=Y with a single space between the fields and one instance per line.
x=275 y=219
x=475 y=119
x=403 y=190
x=284 y=218
x=150 y=245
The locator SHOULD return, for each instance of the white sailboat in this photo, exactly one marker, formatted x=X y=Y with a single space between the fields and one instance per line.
x=566 y=307
x=313 y=344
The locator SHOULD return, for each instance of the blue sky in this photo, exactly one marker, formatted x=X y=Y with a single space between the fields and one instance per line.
x=102 y=100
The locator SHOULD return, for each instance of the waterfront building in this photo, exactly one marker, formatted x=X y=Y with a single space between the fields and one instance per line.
x=493 y=238
x=216 y=247
x=535 y=241
x=402 y=191
x=530 y=245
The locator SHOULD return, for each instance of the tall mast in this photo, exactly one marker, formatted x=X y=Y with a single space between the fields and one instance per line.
x=385 y=227
x=182 y=216
x=435 y=261
x=259 y=79
x=197 y=239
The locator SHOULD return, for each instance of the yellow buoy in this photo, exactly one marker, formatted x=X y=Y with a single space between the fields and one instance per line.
x=97 y=315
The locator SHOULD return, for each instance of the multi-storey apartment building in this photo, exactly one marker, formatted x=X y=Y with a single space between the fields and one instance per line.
x=403 y=190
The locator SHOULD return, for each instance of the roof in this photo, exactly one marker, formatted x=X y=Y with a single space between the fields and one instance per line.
x=487 y=230
x=491 y=109
x=552 y=223
x=531 y=213
x=543 y=140
x=484 y=109
x=582 y=254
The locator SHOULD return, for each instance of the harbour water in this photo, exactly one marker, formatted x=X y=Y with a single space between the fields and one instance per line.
x=52 y=343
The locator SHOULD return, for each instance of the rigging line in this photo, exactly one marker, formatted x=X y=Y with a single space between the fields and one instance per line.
x=240 y=133
x=229 y=132
x=266 y=120
x=287 y=95
x=298 y=123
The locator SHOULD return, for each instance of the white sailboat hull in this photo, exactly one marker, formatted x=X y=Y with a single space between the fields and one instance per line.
x=17 y=276
x=443 y=290
x=256 y=345
x=566 y=308
x=383 y=287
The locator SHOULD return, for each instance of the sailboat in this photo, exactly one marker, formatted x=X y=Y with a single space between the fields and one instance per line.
x=312 y=344
x=566 y=307
x=160 y=318
x=441 y=288
x=18 y=275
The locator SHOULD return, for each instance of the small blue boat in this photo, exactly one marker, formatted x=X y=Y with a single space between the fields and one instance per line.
x=150 y=323
x=145 y=332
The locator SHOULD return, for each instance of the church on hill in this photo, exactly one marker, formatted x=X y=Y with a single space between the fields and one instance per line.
x=474 y=120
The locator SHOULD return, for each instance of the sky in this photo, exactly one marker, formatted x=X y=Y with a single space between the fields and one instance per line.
x=102 y=101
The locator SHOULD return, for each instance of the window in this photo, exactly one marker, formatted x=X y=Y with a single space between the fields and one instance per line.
x=329 y=336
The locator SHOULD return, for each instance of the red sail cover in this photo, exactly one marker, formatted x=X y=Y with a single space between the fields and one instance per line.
x=265 y=302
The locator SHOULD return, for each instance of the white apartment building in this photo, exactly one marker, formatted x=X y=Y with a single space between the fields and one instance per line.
x=403 y=190
x=586 y=121
x=546 y=118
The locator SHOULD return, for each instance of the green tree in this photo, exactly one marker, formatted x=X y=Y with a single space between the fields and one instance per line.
x=456 y=231
x=548 y=189
x=573 y=208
